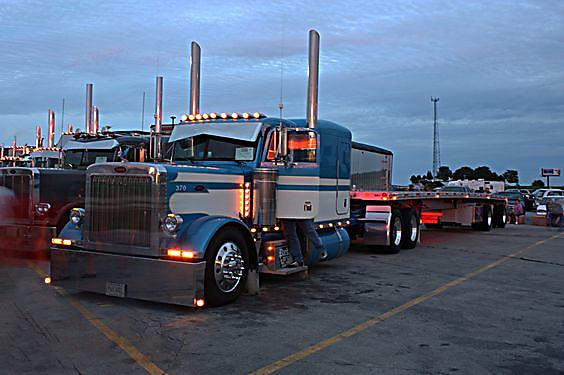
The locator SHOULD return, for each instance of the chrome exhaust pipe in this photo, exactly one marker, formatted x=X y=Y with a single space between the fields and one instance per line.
x=38 y=136
x=156 y=139
x=69 y=128
x=312 y=79
x=51 y=129
x=95 y=120
x=195 y=56
x=88 y=123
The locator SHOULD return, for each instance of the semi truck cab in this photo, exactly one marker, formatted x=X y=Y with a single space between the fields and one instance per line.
x=210 y=215
x=45 y=196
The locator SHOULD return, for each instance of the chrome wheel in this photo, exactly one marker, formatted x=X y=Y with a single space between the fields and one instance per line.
x=414 y=228
x=229 y=267
x=396 y=231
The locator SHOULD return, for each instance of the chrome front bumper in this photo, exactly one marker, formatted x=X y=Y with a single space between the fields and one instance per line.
x=26 y=238
x=156 y=280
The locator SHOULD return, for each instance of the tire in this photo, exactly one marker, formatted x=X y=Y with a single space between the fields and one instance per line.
x=396 y=229
x=219 y=289
x=500 y=216
x=410 y=229
x=487 y=221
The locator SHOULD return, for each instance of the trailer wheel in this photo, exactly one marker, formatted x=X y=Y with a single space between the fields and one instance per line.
x=227 y=260
x=410 y=229
x=500 y=216
x=396 y=232
x=487 y=220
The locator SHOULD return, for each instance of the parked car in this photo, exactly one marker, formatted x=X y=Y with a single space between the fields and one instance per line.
x=544 y=207
x=529 y=199
x=541 y=194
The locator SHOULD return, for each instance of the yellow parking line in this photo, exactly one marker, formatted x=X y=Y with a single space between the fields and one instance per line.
x=284 y=362
x=111 y=335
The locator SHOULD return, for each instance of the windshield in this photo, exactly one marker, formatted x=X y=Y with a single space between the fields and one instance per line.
x=84 y=158
x=45 y=162
x=207 y=147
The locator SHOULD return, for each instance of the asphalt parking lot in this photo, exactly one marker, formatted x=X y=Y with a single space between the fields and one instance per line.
x=462 y=302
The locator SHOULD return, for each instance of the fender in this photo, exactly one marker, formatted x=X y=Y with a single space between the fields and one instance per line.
x=198 y=233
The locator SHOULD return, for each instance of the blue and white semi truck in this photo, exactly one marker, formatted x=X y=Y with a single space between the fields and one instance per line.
x=199 y=227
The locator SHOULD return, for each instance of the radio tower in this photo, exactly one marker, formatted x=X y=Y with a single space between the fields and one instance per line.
x=436 y=145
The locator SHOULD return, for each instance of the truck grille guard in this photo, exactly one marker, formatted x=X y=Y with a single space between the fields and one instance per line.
x=124 y=205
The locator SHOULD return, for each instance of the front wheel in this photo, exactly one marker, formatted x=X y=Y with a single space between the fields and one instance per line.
x=227 y=260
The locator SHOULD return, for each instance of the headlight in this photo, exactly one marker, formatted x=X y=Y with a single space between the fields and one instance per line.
x=171 y=223
x=77 y=216
x=42 y=208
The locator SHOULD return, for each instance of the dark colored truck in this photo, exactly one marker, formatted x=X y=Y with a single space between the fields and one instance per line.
x=41 y=198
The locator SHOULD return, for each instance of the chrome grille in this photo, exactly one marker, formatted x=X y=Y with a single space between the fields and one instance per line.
x=120 y=210
x=20 y=184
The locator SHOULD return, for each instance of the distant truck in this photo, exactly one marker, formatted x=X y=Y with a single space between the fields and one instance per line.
x=199 y=227
x=480 y=185
x=45 y=195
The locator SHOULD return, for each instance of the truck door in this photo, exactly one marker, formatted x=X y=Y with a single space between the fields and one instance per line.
x=343 y=179
x=298 y=179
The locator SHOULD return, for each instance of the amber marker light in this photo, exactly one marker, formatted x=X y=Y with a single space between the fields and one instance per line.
x=184 y=117
x=277 y=228
x=47 y=280
x=437 y=195
x=185 y=254
x=256 y=115
x=234 y=115
x=61 y=241
x=253 y=230
x=246 y=115
x=223 y=115
x=199 y=302
x=205 y=116
x=213 y=115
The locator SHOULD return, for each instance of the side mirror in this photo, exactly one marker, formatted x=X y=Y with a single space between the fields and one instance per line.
x=282 y=144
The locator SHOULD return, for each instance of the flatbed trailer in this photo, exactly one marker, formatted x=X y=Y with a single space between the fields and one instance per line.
x=393 y=219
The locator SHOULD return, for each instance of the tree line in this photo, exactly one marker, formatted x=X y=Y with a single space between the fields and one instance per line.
x=468 y=173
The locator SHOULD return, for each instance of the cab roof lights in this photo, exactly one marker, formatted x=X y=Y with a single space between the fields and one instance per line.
x=223 y=115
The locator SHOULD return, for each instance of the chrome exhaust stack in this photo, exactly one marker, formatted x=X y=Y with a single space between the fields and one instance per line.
x=88 y=123
x=51 y=129
x=156 y=134
x=312 y=79
x=38 y=142
x=95 y=120
x=195 y=56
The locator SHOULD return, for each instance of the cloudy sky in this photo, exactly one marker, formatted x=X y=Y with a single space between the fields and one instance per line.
x=497 y=66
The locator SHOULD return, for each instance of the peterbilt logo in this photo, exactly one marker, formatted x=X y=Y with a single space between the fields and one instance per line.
x=308 y=206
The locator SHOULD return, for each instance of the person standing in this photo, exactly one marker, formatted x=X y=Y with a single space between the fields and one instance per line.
x=289 y=227
x=518 y=210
